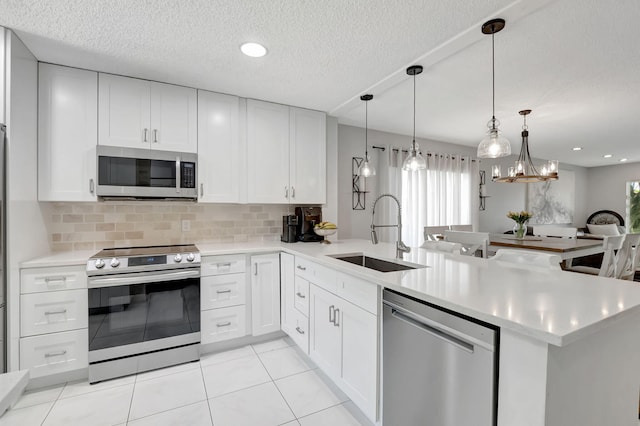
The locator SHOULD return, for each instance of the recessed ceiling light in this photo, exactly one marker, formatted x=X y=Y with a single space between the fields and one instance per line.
x=255 y=50
x=577 y=148
x=607 y=156
x=622 y=160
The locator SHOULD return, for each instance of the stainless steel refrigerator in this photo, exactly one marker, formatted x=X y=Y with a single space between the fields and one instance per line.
x=3 y=257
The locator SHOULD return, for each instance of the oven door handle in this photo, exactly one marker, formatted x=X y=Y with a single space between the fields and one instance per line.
x=142 y=278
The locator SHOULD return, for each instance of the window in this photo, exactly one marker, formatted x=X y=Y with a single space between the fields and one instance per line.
x=633 y=206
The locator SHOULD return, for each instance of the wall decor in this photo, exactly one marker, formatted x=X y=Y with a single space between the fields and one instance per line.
x=552 y=202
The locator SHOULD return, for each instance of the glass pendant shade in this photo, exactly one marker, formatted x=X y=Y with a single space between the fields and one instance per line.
x=366 y=169
x=494 y=145
x=414 y=161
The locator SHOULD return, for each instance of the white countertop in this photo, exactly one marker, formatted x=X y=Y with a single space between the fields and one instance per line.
x=556 y=307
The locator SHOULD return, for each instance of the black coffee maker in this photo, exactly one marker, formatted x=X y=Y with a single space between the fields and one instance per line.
x=289 y=229
x=308 y=217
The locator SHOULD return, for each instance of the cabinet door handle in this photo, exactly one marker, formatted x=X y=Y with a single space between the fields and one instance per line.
x=336 y=321
x=223 y=291
x=293 y=192
x=59 y=353
x=223 y=324
x=144 y=139
x=155 y=135
x=255 y=269
x=300 y=295
x=91 y=186
x=202 y=189
x=302 y=268
x=54 y=280
x=62 y=311
x=286 y=192
x=299 y=330
x=332 y=313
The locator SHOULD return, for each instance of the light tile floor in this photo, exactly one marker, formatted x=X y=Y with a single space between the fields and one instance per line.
x=270 y=383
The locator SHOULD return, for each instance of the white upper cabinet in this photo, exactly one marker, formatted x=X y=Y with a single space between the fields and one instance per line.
x=308 y=166
x=221 y=163
x=137 y=113
x=174 y=118
x=286 y=157
x=67 y=133
x=268 y=152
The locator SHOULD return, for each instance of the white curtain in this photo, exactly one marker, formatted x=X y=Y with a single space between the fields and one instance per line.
x=446 y=193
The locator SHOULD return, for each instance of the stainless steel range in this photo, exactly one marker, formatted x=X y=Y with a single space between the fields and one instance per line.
x=144 y=309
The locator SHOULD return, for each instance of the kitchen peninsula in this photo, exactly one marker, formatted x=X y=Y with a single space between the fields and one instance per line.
x=568 y=351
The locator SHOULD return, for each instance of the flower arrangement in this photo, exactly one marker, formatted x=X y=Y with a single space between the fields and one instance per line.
x=520 y=217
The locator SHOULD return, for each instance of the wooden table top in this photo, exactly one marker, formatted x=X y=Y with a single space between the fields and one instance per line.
x=559 y=245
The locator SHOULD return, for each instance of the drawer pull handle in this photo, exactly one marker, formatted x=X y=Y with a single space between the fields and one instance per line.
x=300 y=295
x=224 y=265
x=62 y=311
x=299 y=330
x=51 y=354
x=223 y=291
x=54 y=280
x=223 y=324
x=302 y=268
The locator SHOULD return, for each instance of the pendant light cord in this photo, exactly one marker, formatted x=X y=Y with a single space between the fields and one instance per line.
x=414 y=115
x=493 y=76
x=366 y=132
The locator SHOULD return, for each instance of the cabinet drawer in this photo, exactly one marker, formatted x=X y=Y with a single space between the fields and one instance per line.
x=52 y=312
x=37 y=280
x=218 y=265
x=301 y=296
x=359 y=292
x=300 y=333
x=316 y=274
x=54 y=353
x=223 y=324
x=219 y=291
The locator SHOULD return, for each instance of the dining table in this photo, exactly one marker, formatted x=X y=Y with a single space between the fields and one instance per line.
x=566 y=248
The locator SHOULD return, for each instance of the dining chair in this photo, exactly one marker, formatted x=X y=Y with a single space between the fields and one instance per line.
x=555 y=231
x=431 y=232
x=609 y=267
x=526 y=257
x=443 y=246
x=628 y=257
x=467 y=228
x=471 y=242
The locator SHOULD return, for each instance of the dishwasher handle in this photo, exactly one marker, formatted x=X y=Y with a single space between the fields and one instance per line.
x=440 y=334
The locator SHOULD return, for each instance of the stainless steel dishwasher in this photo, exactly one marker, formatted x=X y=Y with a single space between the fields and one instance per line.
x=439 y=369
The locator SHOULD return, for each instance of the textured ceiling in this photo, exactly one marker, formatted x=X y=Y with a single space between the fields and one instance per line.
x=574 y=62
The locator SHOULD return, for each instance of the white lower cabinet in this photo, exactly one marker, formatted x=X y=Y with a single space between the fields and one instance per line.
x=223 y=324
x=54 y=353
x=287 y=293
x=223 y=298
x=53 y=320
x=51 y=312
x=265 y=293
x=325 y=342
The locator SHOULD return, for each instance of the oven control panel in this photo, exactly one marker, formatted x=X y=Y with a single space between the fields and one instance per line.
x=141 y=263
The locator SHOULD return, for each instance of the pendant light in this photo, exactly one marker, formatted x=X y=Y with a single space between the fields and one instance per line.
x=524 y=171
x=366 y=169
x=414 y=161
x=494 y=145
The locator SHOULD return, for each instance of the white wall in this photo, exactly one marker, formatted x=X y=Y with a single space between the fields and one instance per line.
x=607 y=189
x=355 y=223
x=26 y=232
x=505 y=197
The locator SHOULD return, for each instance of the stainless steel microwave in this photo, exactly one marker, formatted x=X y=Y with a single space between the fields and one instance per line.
x=145 y=174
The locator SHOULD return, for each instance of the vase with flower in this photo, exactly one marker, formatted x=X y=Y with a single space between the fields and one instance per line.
x=521 y=218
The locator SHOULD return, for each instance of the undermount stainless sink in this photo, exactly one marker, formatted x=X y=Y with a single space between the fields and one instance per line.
x=374 y=263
